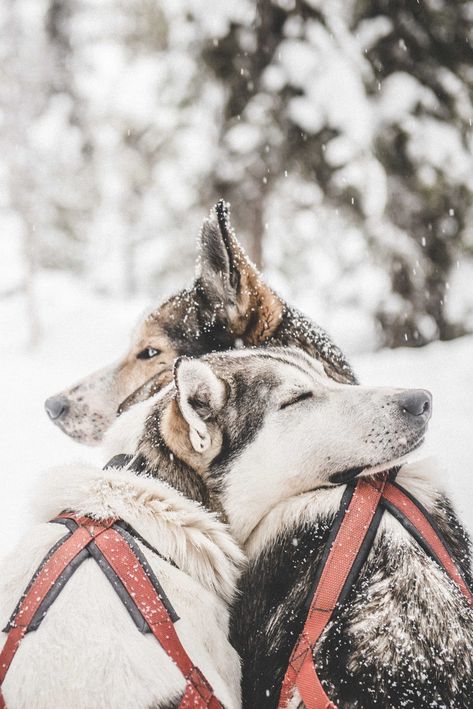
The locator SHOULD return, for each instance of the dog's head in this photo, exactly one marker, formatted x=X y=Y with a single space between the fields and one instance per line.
x=229 y=304
x=263 y=426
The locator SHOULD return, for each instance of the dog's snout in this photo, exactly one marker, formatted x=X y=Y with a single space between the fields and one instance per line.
x=56 y=406
x=417 y=403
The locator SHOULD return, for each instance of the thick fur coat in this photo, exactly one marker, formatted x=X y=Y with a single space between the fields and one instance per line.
x=404 y=637
x=276 y=437
x=87 y=651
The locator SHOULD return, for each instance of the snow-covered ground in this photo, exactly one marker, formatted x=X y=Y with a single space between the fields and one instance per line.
x=84 y=332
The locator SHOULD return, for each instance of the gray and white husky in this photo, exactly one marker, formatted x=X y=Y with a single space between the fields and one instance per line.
x=272 y=436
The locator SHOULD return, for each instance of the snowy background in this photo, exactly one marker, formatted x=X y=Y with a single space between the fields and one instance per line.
x=341 y=132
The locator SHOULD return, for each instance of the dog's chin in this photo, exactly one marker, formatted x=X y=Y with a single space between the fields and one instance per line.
x=346 y=476
x=92 y=438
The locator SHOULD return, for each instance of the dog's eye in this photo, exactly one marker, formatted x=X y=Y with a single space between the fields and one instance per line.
x=148 y=353
x=297 y=399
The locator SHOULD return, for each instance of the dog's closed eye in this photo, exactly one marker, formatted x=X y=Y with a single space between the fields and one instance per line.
x=148 y=353
x=297 y=399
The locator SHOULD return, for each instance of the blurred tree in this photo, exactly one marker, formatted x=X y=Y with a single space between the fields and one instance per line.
x=426 y=151
x=372 y=101
x=149 y=115
x=22 y=97
x=340 y=130
x=65 y=144
x=41 y=150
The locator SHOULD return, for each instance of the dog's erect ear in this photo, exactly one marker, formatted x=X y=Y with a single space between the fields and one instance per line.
x=200 y=396
x=220 y=259
x=151 y=387
x=234 y=294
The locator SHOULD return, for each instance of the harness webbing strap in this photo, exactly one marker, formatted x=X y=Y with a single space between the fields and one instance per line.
x=410 y=510
x=301 y=672
x=138 y=584
x=123 y=561
x=47 y=576
x=356 y=530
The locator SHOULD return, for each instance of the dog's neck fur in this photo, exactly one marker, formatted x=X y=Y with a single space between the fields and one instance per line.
x=155 y=459
x=362 y=654
x=178 y=527
x=324 y=502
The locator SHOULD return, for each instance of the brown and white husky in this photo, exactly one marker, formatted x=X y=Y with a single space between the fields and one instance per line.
x=228 y=306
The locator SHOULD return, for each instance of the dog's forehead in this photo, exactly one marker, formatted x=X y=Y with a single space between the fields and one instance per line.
x=274 y=365
x=173 y=310
x=166 y=324
x=147 y=327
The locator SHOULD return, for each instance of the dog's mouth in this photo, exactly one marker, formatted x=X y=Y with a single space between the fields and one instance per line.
x=349 y=474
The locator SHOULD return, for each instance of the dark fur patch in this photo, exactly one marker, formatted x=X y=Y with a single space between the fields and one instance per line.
x=157 y=460
x=245 y=393
x=395 y=642
x=407 y=661
x=269 y=613
x=456 y=537
x=296 y=330
x=191 y=325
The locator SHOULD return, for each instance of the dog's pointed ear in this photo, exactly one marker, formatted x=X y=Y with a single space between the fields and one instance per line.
x=200 y=396
x=151 y=387
x=233 y=292
x=219 y=264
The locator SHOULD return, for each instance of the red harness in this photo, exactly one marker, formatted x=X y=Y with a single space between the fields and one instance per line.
x=351 y=537
x=109 y=542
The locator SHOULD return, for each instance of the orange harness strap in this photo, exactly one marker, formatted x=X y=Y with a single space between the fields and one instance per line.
x=369 y=497
x=422 y=527
x=127 y=566
x=199 y=693
x=41 y=585
x=301 y=672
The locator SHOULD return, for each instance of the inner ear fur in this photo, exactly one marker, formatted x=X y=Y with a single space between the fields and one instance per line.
x=232 y=283
x=175 y=431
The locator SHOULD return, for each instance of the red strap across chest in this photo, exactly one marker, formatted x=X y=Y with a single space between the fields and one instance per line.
x=120 y=556
x=419 y=519
x=301 y=672
x=368 y=496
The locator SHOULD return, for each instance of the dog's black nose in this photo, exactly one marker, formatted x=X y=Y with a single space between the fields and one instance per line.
x=56 y=406
x=417 y=402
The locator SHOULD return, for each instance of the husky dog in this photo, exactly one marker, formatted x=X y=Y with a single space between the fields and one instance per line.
x=87 y=651
x=228 y=305
x=275 y=436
